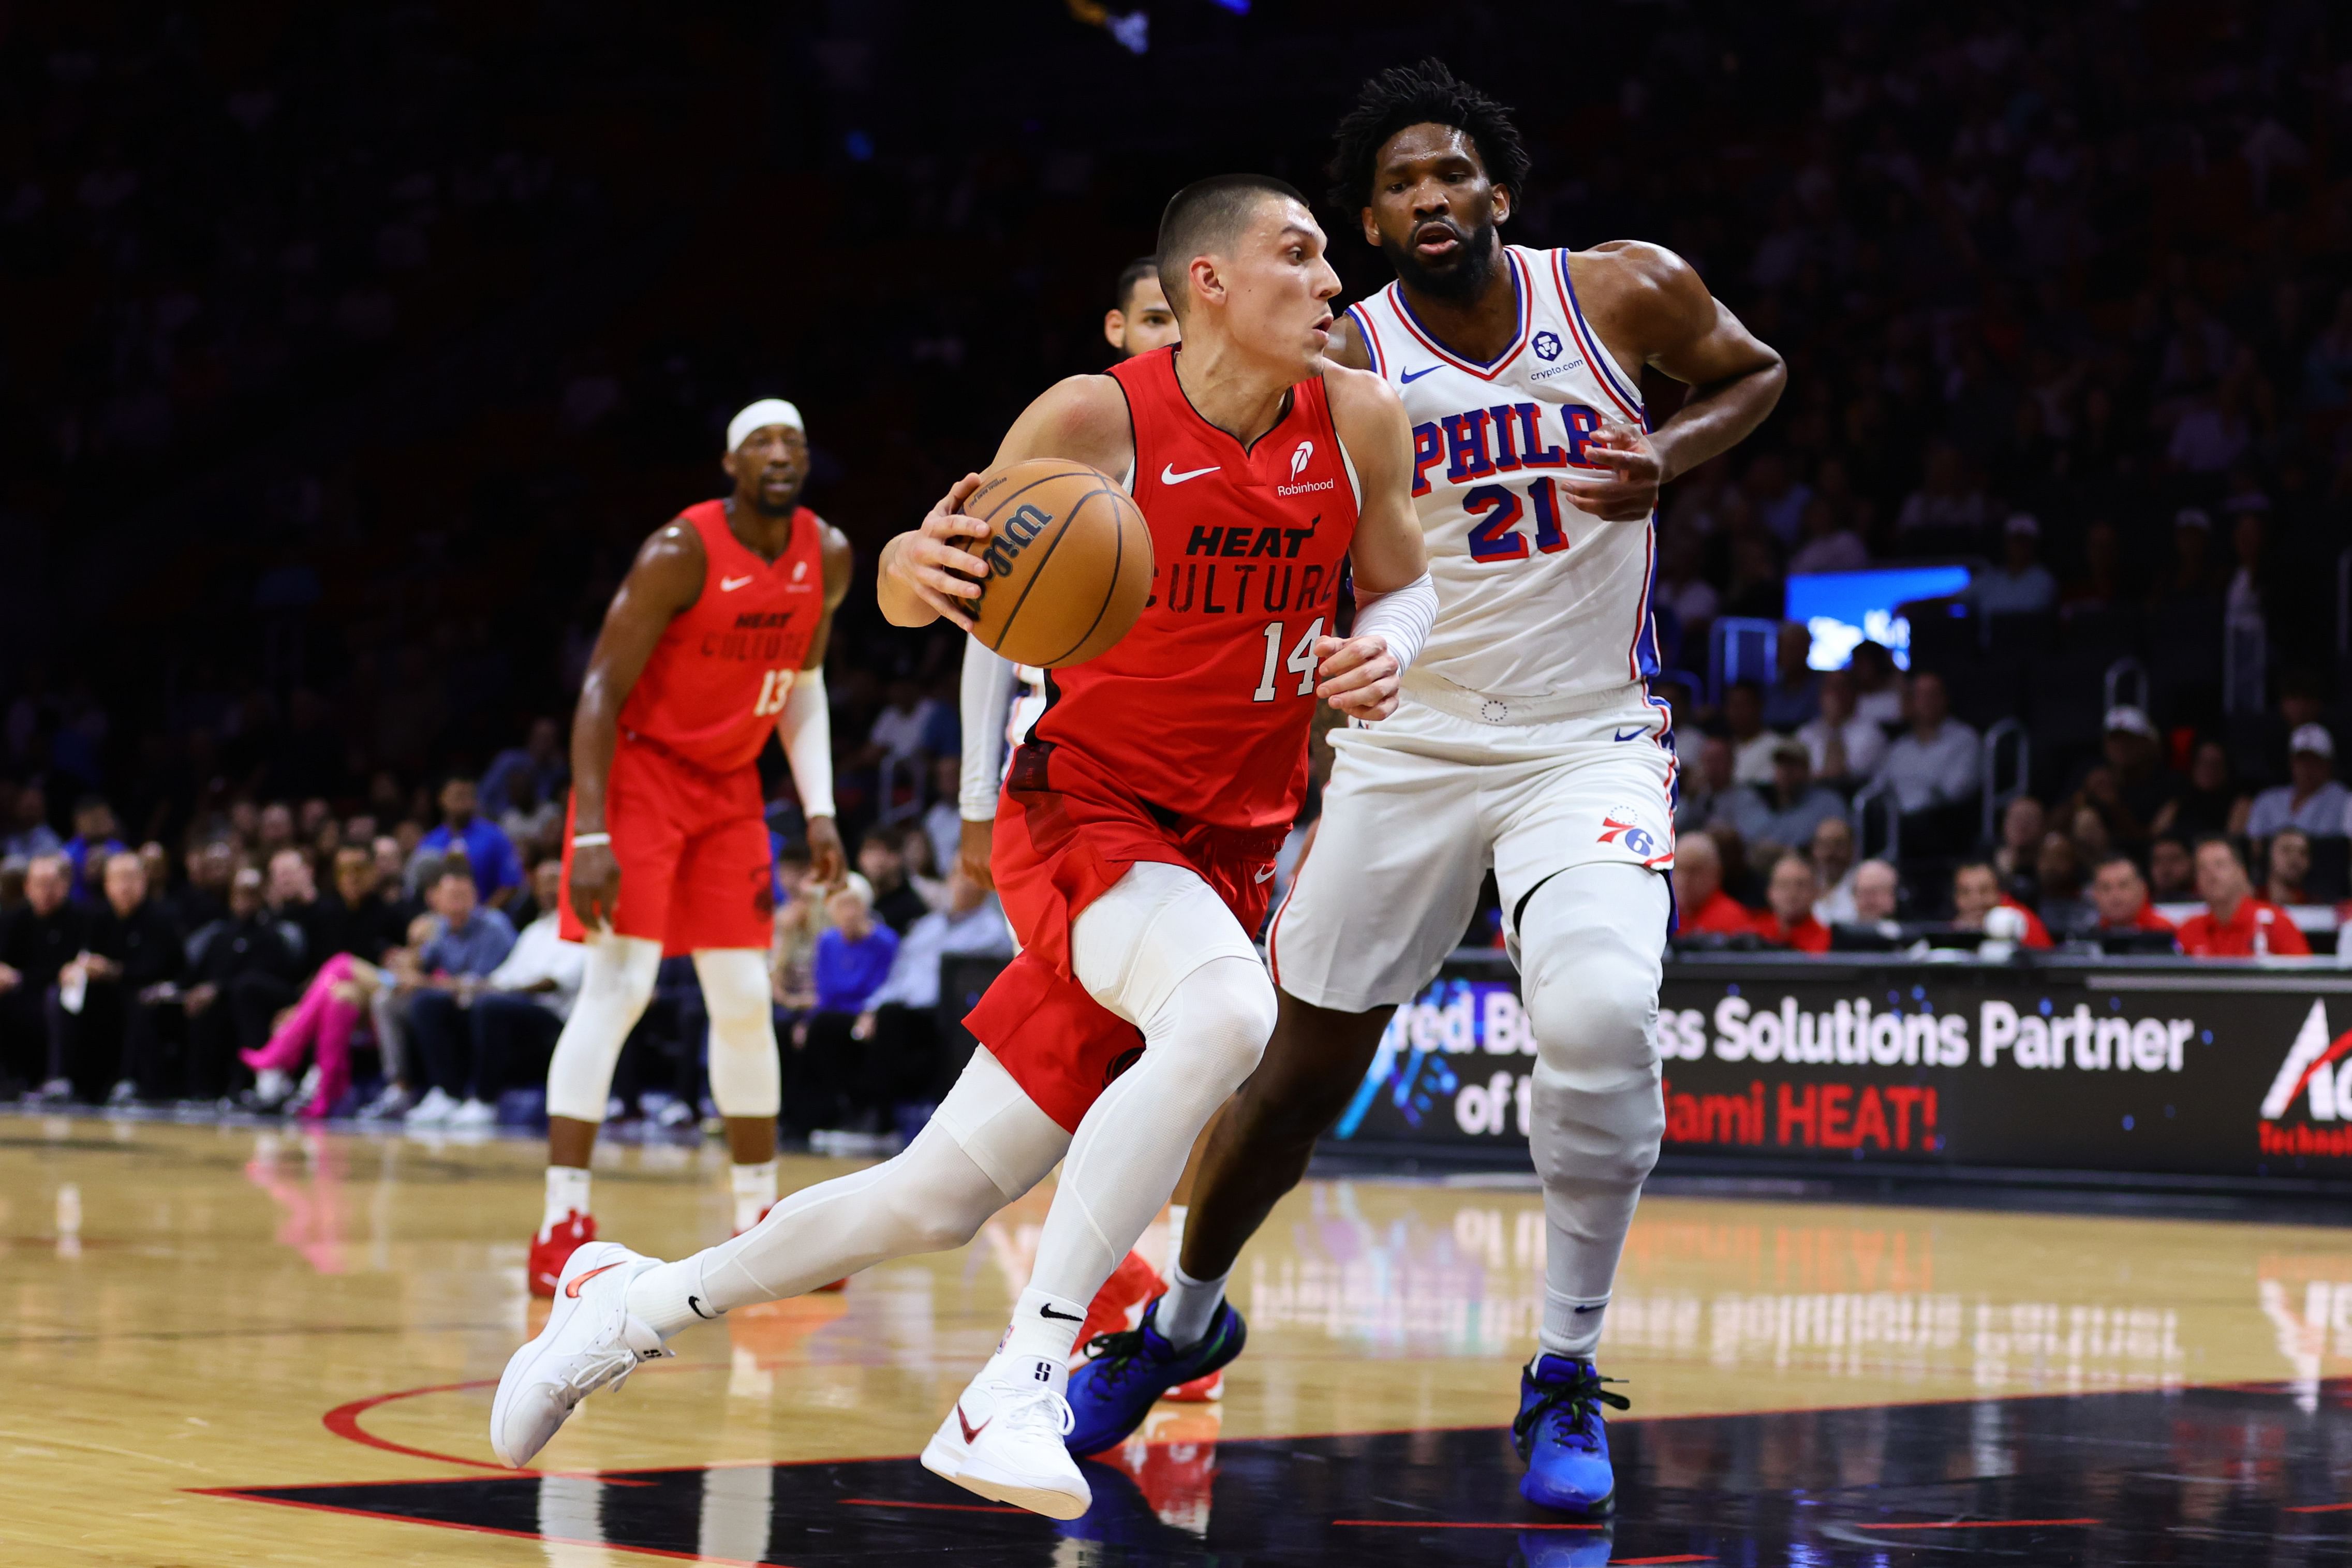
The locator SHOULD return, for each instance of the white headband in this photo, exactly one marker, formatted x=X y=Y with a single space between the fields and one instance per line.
x=758 y=416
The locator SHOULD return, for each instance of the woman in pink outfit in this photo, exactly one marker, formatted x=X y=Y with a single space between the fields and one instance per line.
x=327 y=1015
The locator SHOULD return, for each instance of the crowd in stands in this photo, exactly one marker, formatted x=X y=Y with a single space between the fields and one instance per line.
x=289 y=957
x=2151 y=845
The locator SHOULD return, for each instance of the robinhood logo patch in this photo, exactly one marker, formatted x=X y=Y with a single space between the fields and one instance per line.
x=2309 y=1104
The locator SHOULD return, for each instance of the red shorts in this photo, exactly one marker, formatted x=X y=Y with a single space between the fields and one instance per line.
x=1066 y=832
x=696 y=871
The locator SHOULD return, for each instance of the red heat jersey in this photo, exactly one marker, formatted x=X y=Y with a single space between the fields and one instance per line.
x=719 y=675
x=1202 y=709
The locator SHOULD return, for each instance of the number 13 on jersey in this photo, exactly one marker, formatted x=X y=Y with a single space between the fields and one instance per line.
x=774 y=687
x=1301 y=660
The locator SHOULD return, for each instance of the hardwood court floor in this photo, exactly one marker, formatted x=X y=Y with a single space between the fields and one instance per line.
x=192 y=1311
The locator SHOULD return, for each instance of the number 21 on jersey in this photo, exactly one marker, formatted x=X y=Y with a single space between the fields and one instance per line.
x=1495 y=535
x=1301 y=661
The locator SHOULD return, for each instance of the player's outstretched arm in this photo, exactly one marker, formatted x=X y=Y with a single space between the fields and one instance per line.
x=665 y=577
x=1396 y=604
x=1651 y=307
x=806 y=725
x=931 y=569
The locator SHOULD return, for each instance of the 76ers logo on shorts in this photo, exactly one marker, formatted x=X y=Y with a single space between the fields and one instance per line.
x=1622 y=825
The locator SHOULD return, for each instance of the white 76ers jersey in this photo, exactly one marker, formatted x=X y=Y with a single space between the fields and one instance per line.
x=1535 y=597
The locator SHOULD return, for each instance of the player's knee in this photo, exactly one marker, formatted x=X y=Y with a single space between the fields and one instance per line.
x=1596 y=1140
x=619 y=974
x=1227 y=1016
x=1590 y=987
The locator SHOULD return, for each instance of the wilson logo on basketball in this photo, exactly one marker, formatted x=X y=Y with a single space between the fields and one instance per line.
x=2314 y=1079
x=1012 y=536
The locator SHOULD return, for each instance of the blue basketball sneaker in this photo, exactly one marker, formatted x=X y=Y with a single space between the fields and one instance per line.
x=1560 y=1435
x=1126 y=1372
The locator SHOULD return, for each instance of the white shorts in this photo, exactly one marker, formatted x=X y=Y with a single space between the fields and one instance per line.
x=1423 y=804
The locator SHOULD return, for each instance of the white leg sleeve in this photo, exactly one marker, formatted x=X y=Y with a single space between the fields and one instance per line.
x=1591 y=945
x=391 y=1043
x=1161 y=951
x=614 y=986
x=986 y=1145
x=746 y=1079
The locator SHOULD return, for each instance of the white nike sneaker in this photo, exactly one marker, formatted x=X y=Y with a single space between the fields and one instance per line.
x=590 y=1343
x=1003 y=1439
x=475 y=1113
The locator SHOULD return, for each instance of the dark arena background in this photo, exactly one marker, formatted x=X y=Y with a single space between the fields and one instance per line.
x=349 y=353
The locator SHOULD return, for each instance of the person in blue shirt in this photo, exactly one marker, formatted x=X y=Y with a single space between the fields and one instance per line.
x=830 y=1080
x=498 y=870
x=92 y=844
x=452 y=966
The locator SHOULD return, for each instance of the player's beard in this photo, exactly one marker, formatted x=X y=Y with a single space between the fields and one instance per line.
x=767 y=508
x=1466 y=280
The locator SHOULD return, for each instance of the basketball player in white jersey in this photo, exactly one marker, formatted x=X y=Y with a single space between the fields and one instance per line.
x=1528 y=740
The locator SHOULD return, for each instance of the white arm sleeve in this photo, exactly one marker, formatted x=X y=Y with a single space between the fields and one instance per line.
x=1400 y=619
x=987 y=701
x=805 y=727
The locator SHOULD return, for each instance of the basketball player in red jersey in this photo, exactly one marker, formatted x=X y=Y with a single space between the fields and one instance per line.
x=999 y=700
x=1134 y=847
x=716 y=636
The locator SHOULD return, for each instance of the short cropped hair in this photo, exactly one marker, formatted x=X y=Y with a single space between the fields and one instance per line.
x=1206 y=215
x=1427 y=93
x=1134 y=272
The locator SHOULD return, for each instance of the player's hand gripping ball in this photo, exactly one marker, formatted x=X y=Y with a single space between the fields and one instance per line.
x=1068 y=560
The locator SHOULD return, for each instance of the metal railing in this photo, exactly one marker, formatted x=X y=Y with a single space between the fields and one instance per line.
x=1878 y=791
x=1996 y=797
x=1741 y=647
x=2244 y=654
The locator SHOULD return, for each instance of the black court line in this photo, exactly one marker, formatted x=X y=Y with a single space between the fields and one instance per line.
x=2251 y=1474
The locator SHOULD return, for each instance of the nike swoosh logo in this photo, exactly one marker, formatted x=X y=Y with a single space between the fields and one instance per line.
x=1049 y=1313
x=572 y=1289
x=1168 y=476
x=1591 y=1309
x=694 y=1305
x=971 y=1432
x=1266 y=875
x=729 y=585
x=1409 y=377
x=1633 y=734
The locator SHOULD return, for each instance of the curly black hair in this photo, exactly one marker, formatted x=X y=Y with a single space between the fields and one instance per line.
x=1425 y=93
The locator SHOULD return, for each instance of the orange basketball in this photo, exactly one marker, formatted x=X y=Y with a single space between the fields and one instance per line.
x=1069 y=563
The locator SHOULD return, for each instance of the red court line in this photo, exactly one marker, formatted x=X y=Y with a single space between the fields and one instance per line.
x=1979 y=1524
x=2320 y=1508
x=1457 y=1524
x=1681 y=1557
x=935 y=1506
x=343 y=1421
x=478 y=1529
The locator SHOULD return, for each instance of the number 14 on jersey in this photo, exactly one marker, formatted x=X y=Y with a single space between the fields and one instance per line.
x=1301 y=661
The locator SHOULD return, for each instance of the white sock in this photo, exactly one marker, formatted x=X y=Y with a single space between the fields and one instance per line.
x=1572 y=1325
x=1175 y=1235
x=1044 y=1326
x=1186 y=1311
x=669 y=1296
x=755 y=1189
x=567 y=1193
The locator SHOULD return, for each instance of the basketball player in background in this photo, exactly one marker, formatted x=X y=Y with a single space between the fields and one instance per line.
x=1000 y=700
x=1526 y=741
x=717 y=636
x=1134 y=844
